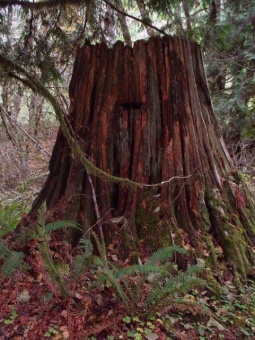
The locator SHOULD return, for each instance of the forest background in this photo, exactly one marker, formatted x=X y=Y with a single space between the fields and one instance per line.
x=42 y=38
x=44 y=43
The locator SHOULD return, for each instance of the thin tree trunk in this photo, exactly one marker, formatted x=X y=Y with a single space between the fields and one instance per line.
x=187 y=14
x=110 y=25
x=145 y=16
x=35 y=113
x=123 y=24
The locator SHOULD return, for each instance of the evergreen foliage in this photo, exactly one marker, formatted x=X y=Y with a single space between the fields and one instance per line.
x=159 y=274
x=44 y=42
x=10 y=214
x=42 y=233
x=82 y=260
x=10 y=260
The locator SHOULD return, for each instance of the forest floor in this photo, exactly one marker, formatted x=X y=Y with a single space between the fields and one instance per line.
x=33 y=307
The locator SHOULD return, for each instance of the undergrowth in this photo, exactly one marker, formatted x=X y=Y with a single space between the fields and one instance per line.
x=148 y=287
x=10 y=260
x=142 y=288
x=10 y=214
x=149 y=295
x=42 y=233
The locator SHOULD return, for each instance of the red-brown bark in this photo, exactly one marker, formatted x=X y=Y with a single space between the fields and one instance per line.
x=145 y=113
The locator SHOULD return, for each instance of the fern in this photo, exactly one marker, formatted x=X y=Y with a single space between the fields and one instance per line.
x=3 y=250
x=51 y=267
x=161 y=255
x=164 y=254
x=59 y=225
x=101 y=248
x=86 y=246
x=165 y=281
x=109 y=275
x=41 y=232
x=82 y=260
x=11 y=260
x=42 y=215
x=5 y=228
x=138 y=269
x=174 y=285
x=11 y=263
x=10 y=215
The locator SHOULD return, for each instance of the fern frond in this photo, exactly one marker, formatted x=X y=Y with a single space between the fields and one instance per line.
x=158 y=279
x=52 y=269
x=3 y=250
x=192 y=270
x=11 y=263
x=81 y=261
x=41 y=217
x=164 y=254
x=5 y=228
x=179 y=284
x=108 y=275
x=150 y=266
x=136 y=269
x=87 y=247
x=101 y=248
x=48 y=228
x=121 y=293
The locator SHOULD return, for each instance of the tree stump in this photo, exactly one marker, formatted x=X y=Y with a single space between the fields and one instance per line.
x=145 y=113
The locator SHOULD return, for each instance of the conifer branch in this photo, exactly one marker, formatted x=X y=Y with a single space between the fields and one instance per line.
x=120 y=11
x=39 y=4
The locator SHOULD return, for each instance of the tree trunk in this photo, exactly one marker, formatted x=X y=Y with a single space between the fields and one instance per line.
x=145 y=113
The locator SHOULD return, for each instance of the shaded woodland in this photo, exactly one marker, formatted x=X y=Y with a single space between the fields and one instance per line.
x=123 y=213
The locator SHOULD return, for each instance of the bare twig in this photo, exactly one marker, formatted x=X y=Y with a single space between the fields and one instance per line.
x=100 y=225
x=165 y=182
x=24 y=131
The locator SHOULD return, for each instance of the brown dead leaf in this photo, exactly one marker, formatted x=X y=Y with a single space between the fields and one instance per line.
x=57 y=337
x=187 y=246
x=111 y=247
x=78 y=296
x=39 y=277
x=99 y=300
x=65 y=335
x=64 y=313
x=206 y=253
x=219 y=250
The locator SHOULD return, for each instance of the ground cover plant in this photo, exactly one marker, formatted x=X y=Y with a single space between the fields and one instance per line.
x=64 y=294
x=32 y=305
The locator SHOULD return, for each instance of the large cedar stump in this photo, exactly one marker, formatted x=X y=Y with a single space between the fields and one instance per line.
x=145 y=113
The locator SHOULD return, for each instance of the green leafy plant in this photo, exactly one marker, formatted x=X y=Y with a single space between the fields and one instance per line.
x=147 y=287
x=82 y=260
x=10 y=214
x=51 y=332
x=140 y=328
x=42 y=234
x=13 y=315
x=10 y=260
